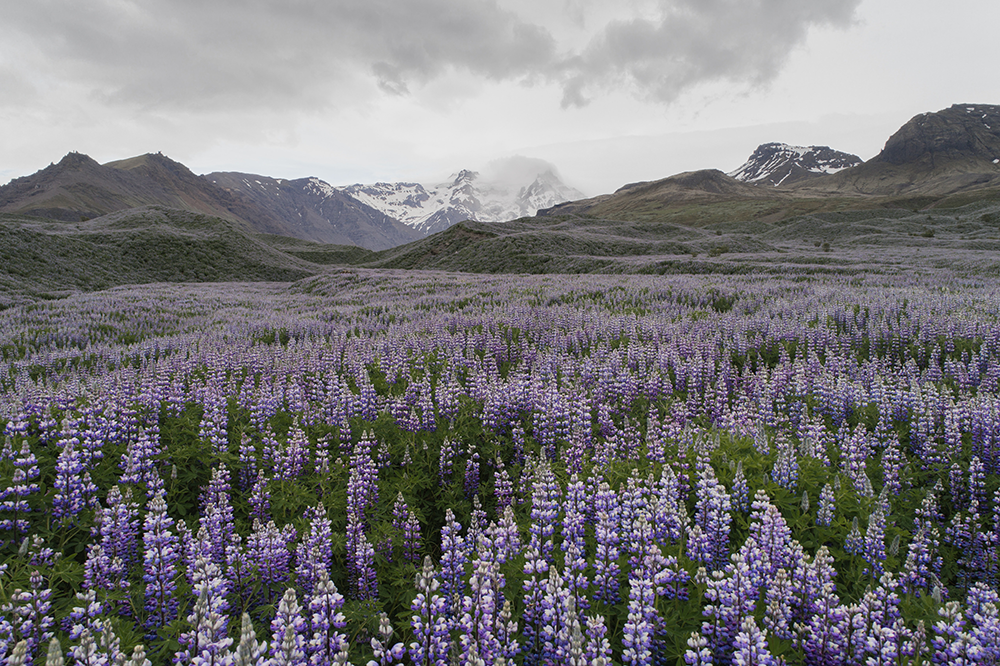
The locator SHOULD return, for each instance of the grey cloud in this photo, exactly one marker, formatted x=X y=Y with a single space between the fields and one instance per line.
x=517 y=170
x=222 y=54
x=191 y=53
x=695 y=41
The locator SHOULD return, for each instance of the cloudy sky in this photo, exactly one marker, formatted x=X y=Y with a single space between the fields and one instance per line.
x=610 y=91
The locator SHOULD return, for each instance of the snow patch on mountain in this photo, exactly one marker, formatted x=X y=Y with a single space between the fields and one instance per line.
x=781 y=164
x=505 y=190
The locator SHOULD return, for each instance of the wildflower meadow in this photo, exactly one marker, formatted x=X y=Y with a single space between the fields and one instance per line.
x=426 y=468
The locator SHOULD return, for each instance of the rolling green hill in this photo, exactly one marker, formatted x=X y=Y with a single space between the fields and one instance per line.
x=42 y=257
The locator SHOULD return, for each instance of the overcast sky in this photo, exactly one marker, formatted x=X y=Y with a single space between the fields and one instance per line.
x=610 y=91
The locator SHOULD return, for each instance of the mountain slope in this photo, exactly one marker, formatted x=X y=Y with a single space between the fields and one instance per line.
x=781 y=164
x=695 y=198
x=311 y=209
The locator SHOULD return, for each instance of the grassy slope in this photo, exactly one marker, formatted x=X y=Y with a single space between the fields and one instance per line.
x=151 y=244
x=734 y=242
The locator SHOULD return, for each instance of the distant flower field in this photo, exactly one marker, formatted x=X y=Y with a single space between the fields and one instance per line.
x=418 y=468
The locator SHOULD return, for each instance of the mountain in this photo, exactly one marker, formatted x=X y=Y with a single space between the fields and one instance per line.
x=781 y=164
x=466 y=195
x=968 y=133
x=312 y=209
x=949 y=153
x=77 y=187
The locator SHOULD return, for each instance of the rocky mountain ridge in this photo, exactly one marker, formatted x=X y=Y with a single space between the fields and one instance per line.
x=313 y=210
x=780 y=164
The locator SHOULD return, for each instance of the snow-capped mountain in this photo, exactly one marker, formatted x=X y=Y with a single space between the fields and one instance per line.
x=467 y=195
x=781 y=164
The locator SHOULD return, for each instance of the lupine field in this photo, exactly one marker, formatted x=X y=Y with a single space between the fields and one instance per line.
x=419 y=468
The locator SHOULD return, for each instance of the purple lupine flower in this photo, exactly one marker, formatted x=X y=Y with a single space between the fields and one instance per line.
x=470 y=481
x=708 y=539
x=412 y=539
x=206 y=642
x=362 y=482
x=750 y=646
x=882 y=646
x=326 y=622
x=873 y=549
x=247 y=472
x=367 y=582
x=503 y=488
x=399 y=512
x=634 y=502
x=32 y=609
x=217 y=515
x=430 y=626
x=597 y=647
x=454 y=555
x=14 y=495
x=854 y=543
x=7 y=637
x=698 y=652
x=952 y=644
x=480 y=610
x=558 y=619
x=85 y=616
x=637 y=639
x=446 y=460
x=100 y=647
x=545 y=495
x=772 y=536
x=240 y=570
x=506 y=537
x=384 y=652
x=518 y=438
x=574 y=546
x=670 y=517
x=741 y=492
x=606 y=534
x=260 y=499
x=786 y=466
x=827 y=504
x=315 y=552
x=983 y=614
x=160 y=557
x=778 y=614
x=731 y=597
x=270 y=549
x=535 y=571
x=111 y=558
x=288 y=632
x=74 y=488
x=291 y=458
x=892 y=462
x=823 y=635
